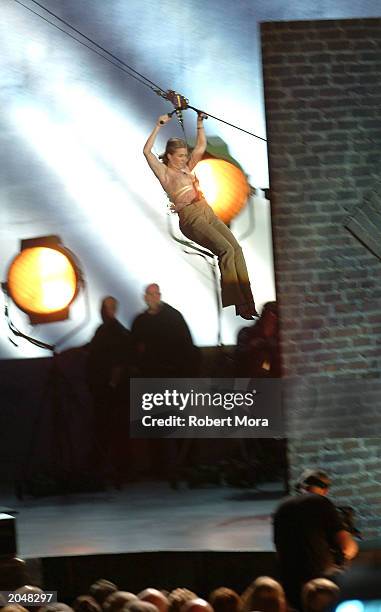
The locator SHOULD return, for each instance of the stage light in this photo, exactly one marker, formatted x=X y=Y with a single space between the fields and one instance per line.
x=224 y=185
x=44 y=279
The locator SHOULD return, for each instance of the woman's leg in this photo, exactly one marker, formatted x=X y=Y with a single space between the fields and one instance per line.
x=239 y=259
x=198 y=223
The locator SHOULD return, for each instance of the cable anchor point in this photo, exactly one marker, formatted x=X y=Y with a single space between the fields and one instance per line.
x=179 y=102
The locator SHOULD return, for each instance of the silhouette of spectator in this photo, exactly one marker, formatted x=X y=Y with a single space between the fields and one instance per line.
x=225 y=600
x=257 y=352
x=257 y=356
x=117 y=600
x=164 y=349
x=157 y=598
x=162 y=340
x=319 y=594
x=29 y=589
x=109 y=357
x=101 y=589
x=110 y=348
x=86 y=603
x=265 y=595
x=178 y=597
x=13 y=573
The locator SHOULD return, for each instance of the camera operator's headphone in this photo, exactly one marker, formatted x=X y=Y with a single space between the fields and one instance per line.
x=313 y=478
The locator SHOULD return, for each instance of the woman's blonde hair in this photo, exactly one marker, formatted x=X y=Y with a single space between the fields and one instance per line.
x=172 y=145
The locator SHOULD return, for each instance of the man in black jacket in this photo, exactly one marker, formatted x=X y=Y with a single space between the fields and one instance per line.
x=162 y=340
x=108 y=362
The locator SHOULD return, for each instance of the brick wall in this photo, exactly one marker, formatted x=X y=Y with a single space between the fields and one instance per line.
x=323 y=99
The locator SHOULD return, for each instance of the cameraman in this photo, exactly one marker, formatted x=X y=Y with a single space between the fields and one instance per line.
x=309 y=535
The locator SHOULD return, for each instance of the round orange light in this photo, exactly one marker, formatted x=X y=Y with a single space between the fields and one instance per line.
x=224 y=186
x=42 y=280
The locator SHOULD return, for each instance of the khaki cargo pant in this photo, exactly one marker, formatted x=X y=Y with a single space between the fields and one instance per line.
x=199 y=223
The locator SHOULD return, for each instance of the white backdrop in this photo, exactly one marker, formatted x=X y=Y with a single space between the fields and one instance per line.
x=73 y=128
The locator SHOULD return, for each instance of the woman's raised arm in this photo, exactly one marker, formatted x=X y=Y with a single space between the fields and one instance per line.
x=156 y=166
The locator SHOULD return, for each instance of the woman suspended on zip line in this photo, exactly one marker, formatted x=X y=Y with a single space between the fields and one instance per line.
x=196 y=218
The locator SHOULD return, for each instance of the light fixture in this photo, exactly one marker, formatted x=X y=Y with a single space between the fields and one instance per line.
x=44 y=279
x=224 y=185
x=222 y=180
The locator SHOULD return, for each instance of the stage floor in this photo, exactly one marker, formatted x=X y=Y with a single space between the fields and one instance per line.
x=146 y=517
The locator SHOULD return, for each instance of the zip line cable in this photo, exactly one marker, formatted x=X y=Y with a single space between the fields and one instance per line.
x=231 y=125
x=124 y=67
x=96 y=44
x=158 y=90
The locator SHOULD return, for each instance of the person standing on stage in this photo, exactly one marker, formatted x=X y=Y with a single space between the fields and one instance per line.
x=257 y=354
x=197 y=219
x=108 y=363
x=162 y=341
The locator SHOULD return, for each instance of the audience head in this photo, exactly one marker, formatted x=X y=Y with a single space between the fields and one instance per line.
x=225 y=600
x=196 y=605
x=28 y=589
x=109 y=307
x=178 y=597
x=101 y=589
x=118 y=599
x=157 y=598
x=269 y=320
x=13 y=608
x=319 y=594
x=265 y=595
x=152 y=297
x=86 y=603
